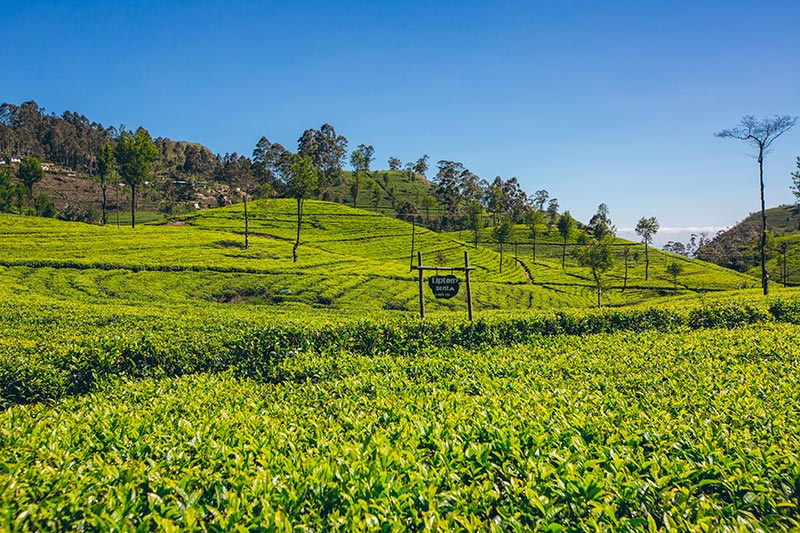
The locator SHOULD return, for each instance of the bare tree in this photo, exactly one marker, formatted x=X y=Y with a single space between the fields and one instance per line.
x=761 y=134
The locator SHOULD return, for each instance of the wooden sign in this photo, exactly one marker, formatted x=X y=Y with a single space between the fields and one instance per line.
x=444 y=286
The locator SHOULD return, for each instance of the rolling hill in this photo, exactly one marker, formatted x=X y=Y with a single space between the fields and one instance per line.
x=351 y=260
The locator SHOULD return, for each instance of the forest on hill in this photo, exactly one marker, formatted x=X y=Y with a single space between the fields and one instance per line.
x=184 y=176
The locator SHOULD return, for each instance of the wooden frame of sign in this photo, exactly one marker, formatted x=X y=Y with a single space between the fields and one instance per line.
x=421 y=268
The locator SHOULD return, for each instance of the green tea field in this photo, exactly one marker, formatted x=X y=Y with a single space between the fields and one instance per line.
x=168 y=379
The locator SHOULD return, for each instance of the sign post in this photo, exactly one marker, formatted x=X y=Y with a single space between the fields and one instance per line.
x=444 y=286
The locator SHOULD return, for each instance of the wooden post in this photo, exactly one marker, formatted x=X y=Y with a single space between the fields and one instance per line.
x=469 y=288
x=421 y=286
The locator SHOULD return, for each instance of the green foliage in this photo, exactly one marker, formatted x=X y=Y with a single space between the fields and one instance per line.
x=30 y=173
x=598 y=257
x=301 y=178
x=674 y=269
x=167 y=378
x=566 y=224
x=8 y=191
x=134 y=153
x=623 y=432
x=41 y=359
x=45 y=206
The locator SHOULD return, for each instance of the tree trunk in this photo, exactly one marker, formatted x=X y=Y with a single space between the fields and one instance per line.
x=646 y=263
x=104 y=186
x=625 y=281
x=534 y=247
x=764 y=274
x=599 y=294
x=299 y=222
x=246 y=224
x=117 y=191
x=501 y=257
x=133 y=206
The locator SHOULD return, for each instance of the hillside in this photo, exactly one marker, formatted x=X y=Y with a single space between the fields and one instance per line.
x=350 y=260
x=737 y=247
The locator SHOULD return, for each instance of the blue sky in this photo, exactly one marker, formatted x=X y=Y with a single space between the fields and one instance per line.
x=613 y=102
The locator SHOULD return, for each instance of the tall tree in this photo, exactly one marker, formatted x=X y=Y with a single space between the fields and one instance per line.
x=540 y=198
x=105 y=169
x=566 y=224
x=301 y=183
x=134 y=153
x=501 y=234
x=30 y=173
x=552 y=209
x=598 y=257
x=394 y=163
x=600 y=225
x=761 y=134
x=474 y=219
x=239 y=173
x=421 y=166
x=362 y=157
x=270 y=161
x=534 y=218
x=327 y=151
x=626 y=254
x=647 y=228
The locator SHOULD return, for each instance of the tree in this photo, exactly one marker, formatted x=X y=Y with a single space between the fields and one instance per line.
x=626 y=254
x=105 y=169
x=30 y=172
x=597 y=256
x=552 y=209
x=761 y=134
x=421 y=166
x=394 y=163
x=409 y=212
x=600 y=225
x=674 y=269
x=534 y=218
x=796 y=183
x=7 y=191
x=301 y=183
x=134 y=153
x=270 y=161
x=327 y=152
x=427 y=203
x=238 y=170
x=646 y=228
x=675 y=247
x=501 y=234
x=355 y=185
x=474 y=218
x=377 y=193
x=565 y=226
x=362 y=157
x=540 y=198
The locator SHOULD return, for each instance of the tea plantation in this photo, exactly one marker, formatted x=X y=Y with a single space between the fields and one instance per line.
x=166 y=378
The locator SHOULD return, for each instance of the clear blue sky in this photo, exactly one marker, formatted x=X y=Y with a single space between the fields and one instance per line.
x=613 y=102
